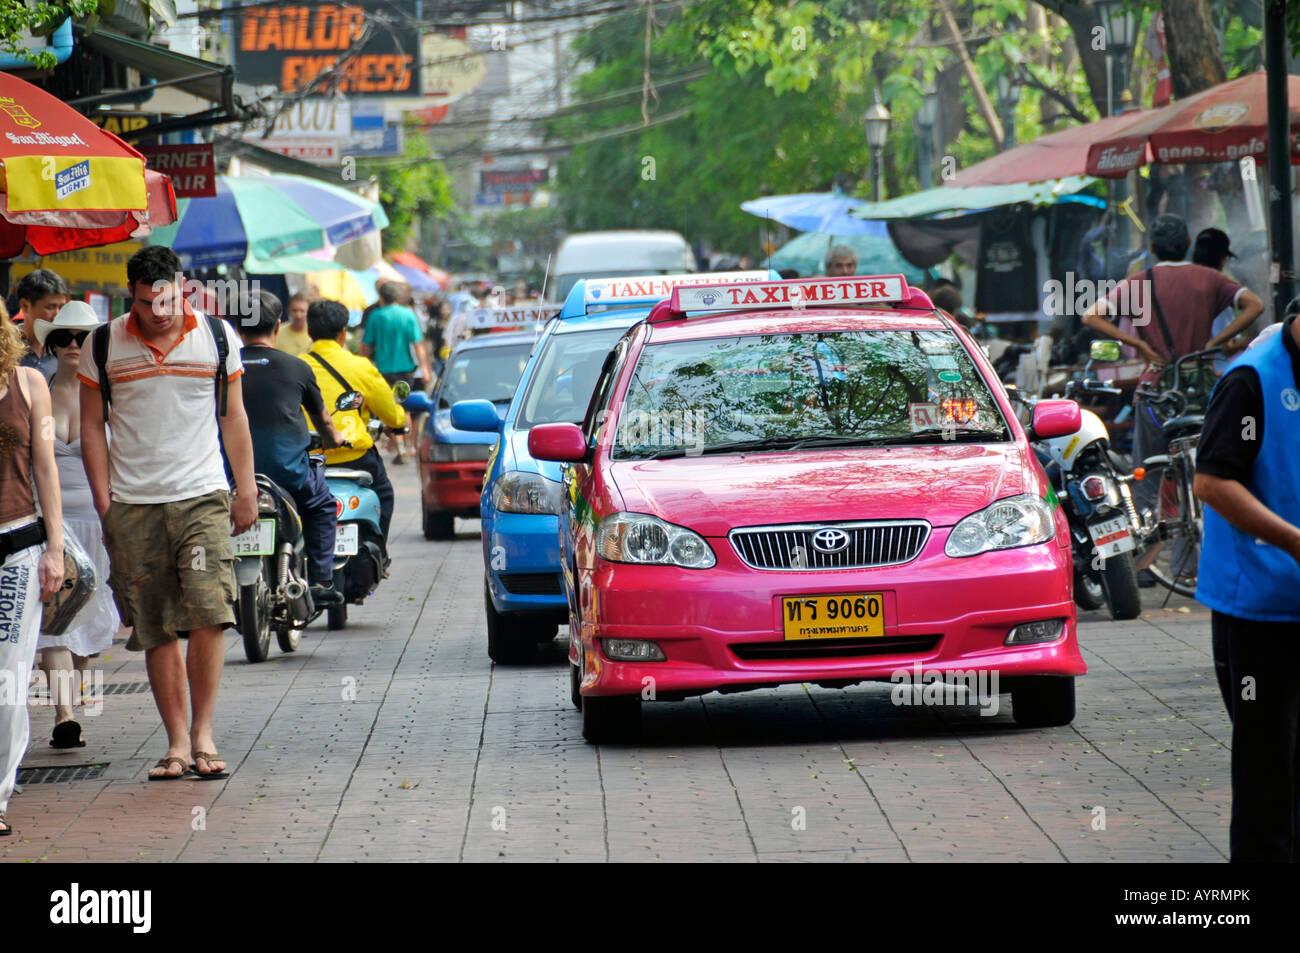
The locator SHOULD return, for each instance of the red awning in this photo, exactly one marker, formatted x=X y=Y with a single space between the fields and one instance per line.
x=1054 y=156
x=1221 y=124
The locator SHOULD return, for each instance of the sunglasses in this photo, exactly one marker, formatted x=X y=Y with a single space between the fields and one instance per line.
x=63 y=337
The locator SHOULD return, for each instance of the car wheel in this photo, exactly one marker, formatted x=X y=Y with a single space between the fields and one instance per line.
x=543 y=631
x=1121 y=583
x=508 y=642
x=439 y=525
x=611 y=719
x=1043 y=701
x=1088 y=592
x=575 y=686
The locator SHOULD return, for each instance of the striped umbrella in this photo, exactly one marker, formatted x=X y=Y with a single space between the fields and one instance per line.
x=268 y=224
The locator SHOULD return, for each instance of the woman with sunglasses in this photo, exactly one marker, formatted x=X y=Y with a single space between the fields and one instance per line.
x=64 y=657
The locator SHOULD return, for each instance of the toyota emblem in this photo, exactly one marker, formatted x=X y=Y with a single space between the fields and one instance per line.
x=830 y=540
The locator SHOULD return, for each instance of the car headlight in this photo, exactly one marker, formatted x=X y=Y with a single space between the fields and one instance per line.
x=637 y=538
x=1006 y=524
x=460 y=452
x=520 y=492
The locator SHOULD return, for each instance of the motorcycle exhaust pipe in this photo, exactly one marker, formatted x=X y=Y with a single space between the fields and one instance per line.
x=299 y=598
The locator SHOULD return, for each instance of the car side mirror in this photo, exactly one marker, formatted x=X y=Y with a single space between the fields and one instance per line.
x=1055 y=418
x=1104 y=351
x=416 y=402
x=401 y=391
x=349 y=400
x=562 y=443
x=476 y=416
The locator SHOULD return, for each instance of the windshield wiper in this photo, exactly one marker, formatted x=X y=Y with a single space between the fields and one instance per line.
x=946 y=435
x=731 y=446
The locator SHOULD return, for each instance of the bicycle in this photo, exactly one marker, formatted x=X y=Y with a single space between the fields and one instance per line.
x=1174 y=542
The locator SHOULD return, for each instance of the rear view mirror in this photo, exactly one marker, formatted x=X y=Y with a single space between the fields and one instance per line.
x=401 y=391
x=1055 y=418
x=349 y=400
x=1105 y=351
x=416 y=402
x=563 y=443
x=476 y=416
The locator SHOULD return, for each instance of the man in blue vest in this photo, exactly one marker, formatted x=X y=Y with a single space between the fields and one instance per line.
x=1248 y=475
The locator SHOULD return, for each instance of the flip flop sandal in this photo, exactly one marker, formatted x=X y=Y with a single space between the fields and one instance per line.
x=166 y=763
x=209 y=757
x=8 y=829
x=67 y=735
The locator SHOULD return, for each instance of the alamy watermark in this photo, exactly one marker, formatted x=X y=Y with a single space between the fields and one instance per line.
x=916 y=686
x=236 y=298
x=1077 y=296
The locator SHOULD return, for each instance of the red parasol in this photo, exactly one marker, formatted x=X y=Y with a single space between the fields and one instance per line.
x=1221 y=124
x=1054 y=156
x=64 y=182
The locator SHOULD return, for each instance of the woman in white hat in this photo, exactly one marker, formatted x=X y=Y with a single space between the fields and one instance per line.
x=64 y=657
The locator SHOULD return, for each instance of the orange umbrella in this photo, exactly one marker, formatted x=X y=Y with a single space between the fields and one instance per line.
x=64 y=182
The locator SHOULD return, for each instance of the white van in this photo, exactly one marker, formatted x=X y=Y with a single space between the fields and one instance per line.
x=616 y=254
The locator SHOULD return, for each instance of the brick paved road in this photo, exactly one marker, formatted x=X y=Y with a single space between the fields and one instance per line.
x=441 y=756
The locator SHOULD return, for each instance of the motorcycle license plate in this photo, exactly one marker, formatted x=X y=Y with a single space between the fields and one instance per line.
x=345 y=541
x=1112 y=537
x=257 y=540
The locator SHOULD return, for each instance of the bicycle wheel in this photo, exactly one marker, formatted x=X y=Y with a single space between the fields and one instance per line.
x=1176 y=555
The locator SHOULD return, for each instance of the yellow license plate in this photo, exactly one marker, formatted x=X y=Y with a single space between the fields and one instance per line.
x=856 y=615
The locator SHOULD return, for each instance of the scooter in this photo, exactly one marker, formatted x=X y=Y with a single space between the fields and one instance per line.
x=360 y=557
x=271 y=570
x=1092 y=483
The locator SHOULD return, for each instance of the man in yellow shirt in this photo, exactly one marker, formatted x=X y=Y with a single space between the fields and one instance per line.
x=337 y=371
x=294 y=339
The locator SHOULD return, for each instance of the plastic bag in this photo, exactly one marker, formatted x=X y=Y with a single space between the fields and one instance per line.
x=78 y=586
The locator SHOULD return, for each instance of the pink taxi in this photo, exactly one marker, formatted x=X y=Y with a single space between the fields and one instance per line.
x=810 y=481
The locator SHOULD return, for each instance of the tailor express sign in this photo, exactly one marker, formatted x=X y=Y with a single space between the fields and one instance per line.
x=289 y=45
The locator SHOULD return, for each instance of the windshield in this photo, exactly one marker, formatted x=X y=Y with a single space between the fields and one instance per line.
x=564 y=377
x=483 y=373
x=781 y=391
x=564 y=283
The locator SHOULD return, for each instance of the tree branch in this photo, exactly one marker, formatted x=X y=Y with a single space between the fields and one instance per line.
x=1029 y=79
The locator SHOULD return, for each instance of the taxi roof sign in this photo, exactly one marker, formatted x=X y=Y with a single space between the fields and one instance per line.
x=512 y=316
x=852 y=290
x=618 y=291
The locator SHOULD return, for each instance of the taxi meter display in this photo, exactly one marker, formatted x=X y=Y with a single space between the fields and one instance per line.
x=874 y=289
x=478 y=319
x=610 y=291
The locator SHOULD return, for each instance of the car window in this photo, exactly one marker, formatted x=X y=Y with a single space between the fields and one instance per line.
x=483 y=373
x=564 y=377
x=595 y=416
x=773 y=391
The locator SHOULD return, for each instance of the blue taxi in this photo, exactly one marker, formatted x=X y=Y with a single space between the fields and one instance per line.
x=523 y=598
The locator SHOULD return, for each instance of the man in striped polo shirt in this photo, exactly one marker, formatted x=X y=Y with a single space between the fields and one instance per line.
x=162 y=494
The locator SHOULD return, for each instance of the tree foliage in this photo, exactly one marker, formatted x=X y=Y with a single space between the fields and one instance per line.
x=20 y=21
x=413 y=188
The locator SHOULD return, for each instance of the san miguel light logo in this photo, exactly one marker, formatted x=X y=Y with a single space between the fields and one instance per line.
x=18 y=113
x=1218 y=118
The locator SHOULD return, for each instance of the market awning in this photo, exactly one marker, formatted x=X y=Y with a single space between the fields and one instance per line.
x=949 y=199
x=214 y=82
x=1053 y=156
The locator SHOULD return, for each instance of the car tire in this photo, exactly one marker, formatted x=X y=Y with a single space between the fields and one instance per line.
x=1119 y=579
x=439 y=525
x=336 y=617
x=1089 y=594
x=1043 y=701
x=575 y=686
x=543 y=632
x=611 y=719
x=509 y=643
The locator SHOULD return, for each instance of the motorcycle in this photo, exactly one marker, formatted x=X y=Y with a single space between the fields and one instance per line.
x=360 y=557
x=1092 y=483
x=271 y=571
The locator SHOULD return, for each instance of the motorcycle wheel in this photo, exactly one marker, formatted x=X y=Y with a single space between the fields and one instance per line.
x=1088 y=592
x=1119 y=579
x=255 y=619
x=336 y=617
x=289 y=639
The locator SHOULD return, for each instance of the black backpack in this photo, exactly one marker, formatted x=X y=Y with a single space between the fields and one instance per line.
x=100 y=351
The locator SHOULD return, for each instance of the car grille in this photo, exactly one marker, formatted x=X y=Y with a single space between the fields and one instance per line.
x=531 y=583
x=869 y=544
x=834 y=648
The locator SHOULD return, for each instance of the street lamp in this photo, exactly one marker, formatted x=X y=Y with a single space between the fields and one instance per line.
x=876 y=119
x=927 y=117
x=1120 y=24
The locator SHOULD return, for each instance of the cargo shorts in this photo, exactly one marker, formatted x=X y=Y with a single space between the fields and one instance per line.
x=172 y=569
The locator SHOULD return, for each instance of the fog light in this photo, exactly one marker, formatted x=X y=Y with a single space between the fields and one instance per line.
x=633 y=650
x=1047 y=630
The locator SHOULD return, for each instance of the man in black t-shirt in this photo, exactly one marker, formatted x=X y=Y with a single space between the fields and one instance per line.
x=277 y=389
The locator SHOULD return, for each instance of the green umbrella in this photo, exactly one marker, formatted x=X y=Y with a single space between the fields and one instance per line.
x=876 y=256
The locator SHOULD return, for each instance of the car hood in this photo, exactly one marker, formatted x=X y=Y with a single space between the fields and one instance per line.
x=715 y=494
x=521 y=459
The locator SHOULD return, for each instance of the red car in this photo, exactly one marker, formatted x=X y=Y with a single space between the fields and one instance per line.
x=810 y=481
